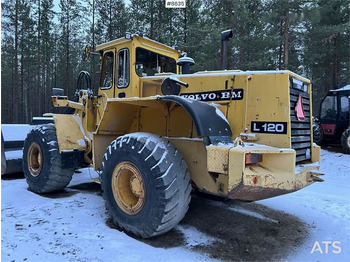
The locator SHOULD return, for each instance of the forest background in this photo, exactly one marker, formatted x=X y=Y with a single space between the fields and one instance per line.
x=42 y=41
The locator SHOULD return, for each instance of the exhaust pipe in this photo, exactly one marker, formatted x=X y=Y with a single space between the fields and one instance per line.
x=225 y=36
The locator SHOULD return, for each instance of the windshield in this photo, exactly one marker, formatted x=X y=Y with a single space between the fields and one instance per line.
x=329 y=107
x=149 y=63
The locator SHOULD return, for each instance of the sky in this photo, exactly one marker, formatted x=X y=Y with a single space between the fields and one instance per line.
x=56 y=3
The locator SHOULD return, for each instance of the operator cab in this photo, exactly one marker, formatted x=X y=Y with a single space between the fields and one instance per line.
x=334 y=113
x=126 y=60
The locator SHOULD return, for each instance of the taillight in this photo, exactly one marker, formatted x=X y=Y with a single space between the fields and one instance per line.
x=252 y=158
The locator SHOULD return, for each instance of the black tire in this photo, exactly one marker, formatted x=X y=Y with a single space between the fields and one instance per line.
x=317 y=133
x=345 y=141
x=163 y=183
x=42 y=164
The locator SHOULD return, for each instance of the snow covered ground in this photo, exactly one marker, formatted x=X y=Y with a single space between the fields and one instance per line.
x=73 y=225
x=326 y=209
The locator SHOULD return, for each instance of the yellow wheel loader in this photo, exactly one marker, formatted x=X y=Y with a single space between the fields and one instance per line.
x=153 y=131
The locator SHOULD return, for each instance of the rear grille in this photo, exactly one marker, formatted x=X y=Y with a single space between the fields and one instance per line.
x=300 y=130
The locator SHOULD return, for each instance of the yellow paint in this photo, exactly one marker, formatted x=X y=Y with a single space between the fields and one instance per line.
x=220 y=170
x=69 y=134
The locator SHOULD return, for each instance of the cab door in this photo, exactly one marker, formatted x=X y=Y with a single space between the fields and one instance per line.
x=123 y=74
x=107 y=81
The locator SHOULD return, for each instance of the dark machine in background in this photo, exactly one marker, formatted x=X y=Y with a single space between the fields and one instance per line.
x=332 y=126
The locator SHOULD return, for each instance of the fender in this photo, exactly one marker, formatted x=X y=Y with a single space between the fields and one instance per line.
x=123 y=115
x=69 y=131
x=120 y=113
x=209 y=120
x=72 y=142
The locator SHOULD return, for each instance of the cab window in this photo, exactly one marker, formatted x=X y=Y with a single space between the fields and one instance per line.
x=344 y=108
x=344 y=103
x=149 y=63
x=329 y=108
x=123 y=75
x=107 y=71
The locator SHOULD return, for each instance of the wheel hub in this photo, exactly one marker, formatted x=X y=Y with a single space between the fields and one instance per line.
x=35 y=159
x=128 y=188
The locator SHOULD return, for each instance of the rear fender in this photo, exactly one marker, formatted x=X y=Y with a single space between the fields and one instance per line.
x=169 y=116
x=208 y=119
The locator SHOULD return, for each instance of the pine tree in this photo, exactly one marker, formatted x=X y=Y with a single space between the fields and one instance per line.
x=112 y=20
x=326 y=55
x=70 y=45
x=285 y=25
x=28 y=93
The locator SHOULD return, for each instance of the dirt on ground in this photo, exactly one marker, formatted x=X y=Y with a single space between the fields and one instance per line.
x=256 y=234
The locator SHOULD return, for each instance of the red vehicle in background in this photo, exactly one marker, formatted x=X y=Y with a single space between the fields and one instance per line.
x=333 y=126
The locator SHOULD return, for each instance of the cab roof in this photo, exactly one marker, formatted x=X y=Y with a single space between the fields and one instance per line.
x=345 y=88
x=137 y=39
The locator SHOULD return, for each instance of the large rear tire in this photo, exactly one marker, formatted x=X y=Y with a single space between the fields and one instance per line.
x=345 y=141
x=145 y=184
x=42 y=163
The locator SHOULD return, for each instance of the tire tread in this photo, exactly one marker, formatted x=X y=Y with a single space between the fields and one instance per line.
x=55 y=178
x=170 y=174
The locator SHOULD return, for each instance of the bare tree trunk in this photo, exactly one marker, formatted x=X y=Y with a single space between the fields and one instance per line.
x=280 y=48
x=22 y=82
x=335 y=62
x=152 y=20
x=15 y=82
x=110 y=37
x=159 y=30
x=93 y=76
x=286 y=40
x=67 y=80
x=39 y=84
x=185 y=25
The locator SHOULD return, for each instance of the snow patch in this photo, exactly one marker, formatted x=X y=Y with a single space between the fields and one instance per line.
x=252 y=214
x=195 y=237
x=161 y=160
x=186 y=138
x=81 y=142
x=220 y=114
x=245 y=212
x=301 y=167
x=150 y=138
x=52 y=143
x=154 y=150
x=166 y=172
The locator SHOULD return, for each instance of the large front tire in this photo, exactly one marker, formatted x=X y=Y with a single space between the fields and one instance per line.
x=145 y=184
x=42 y=163
x=345 y=141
